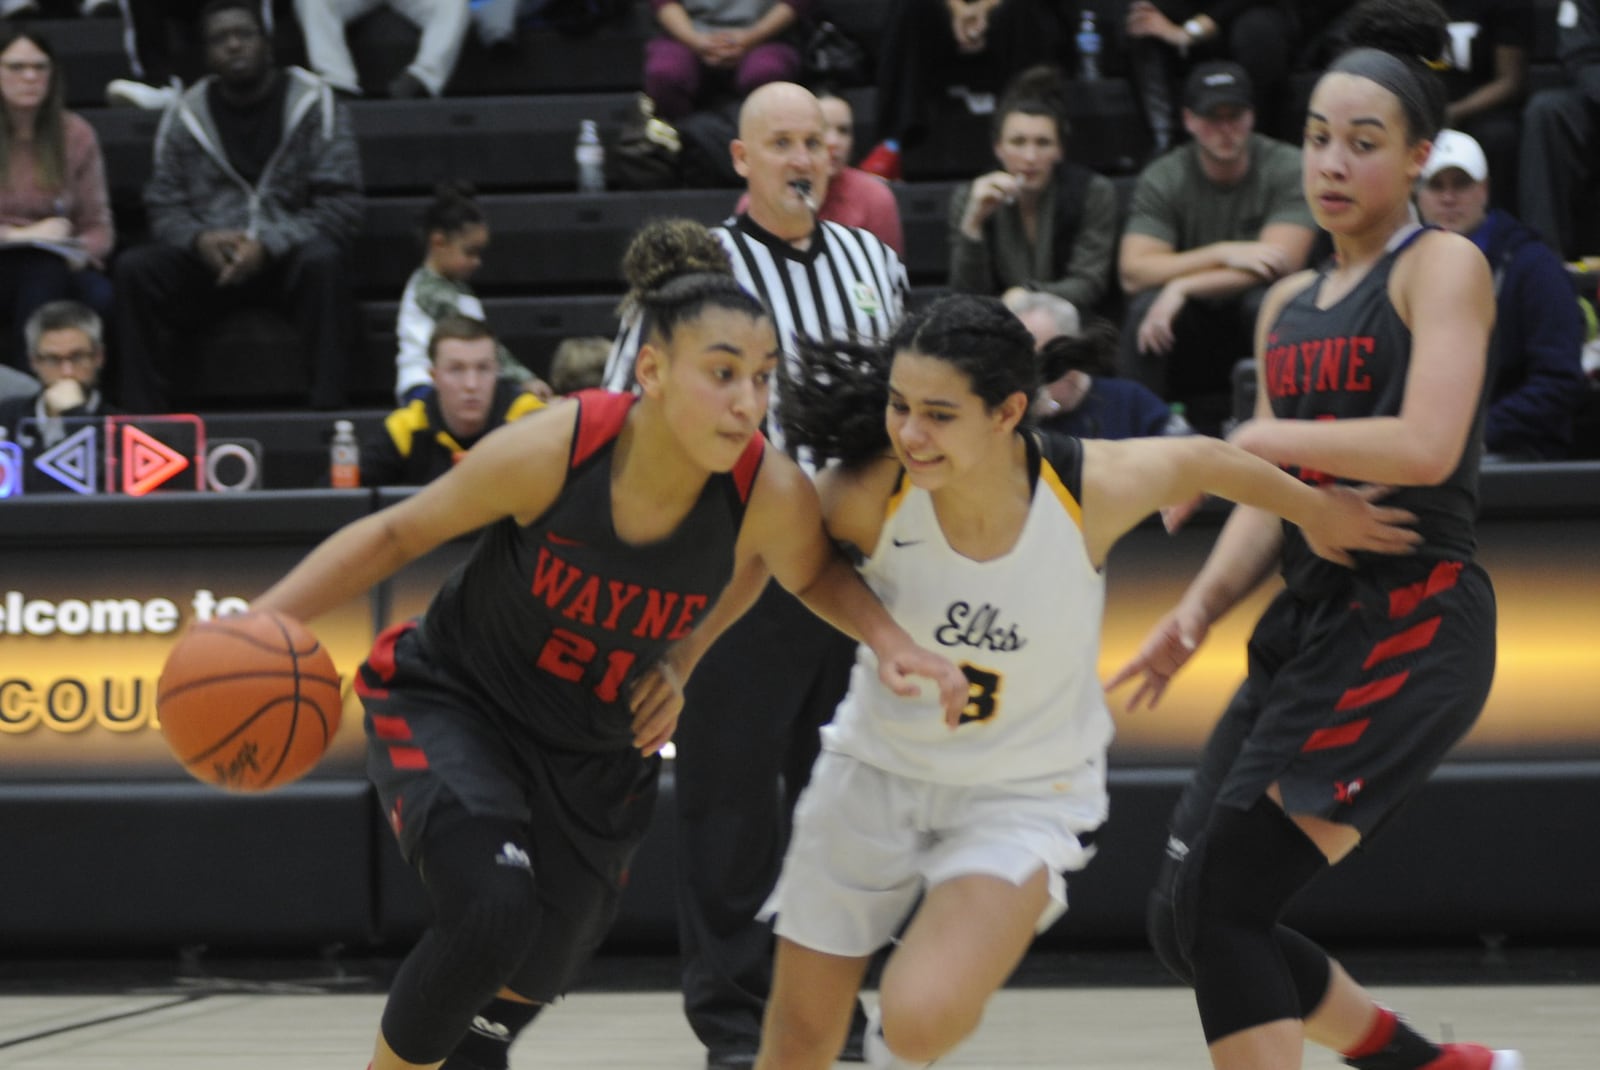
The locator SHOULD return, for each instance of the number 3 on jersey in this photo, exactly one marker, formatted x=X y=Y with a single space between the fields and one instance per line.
x=983 y=693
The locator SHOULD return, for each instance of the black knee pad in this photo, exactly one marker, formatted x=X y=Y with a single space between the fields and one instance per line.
x=1169 y=937
x=1253 y=863
x=486 y=917
x=1308 y=964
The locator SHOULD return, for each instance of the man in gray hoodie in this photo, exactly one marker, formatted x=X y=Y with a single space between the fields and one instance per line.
x=255 y=198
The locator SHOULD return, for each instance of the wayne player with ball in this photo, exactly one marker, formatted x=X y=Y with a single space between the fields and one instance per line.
x=513 y=731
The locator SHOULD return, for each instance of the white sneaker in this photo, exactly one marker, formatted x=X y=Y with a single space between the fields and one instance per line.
x=875 y=1051
x=139 y=95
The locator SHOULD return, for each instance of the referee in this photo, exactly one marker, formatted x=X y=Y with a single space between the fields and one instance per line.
x=748 y=736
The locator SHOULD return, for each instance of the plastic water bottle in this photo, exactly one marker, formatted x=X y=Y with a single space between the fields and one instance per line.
x=1177 y=421
x=591 y=157
x=1088 y=47
x=344 y=456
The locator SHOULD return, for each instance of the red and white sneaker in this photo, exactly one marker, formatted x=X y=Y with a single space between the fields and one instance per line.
x=1474 y=1057
x=883 y=162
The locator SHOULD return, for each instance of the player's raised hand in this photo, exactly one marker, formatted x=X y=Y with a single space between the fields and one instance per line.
x=1165 y=650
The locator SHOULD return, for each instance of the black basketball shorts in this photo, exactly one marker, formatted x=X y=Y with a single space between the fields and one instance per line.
x=1352 y=703
x=431 y=751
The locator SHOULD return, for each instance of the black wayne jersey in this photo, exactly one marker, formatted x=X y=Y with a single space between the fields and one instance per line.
x=551 y=623
x=1351 y=360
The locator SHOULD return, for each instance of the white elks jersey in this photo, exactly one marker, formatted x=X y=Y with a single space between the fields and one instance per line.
x=1024 y=627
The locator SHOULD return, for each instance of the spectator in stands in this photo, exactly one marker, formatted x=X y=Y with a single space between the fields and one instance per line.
x=1213 y=223
x=1081 y=395
x=1165 y=36
x=1039 y=222
x=1535 y=352
x=423 y=439
x=444 y=25
x=254 y=198
x=854 y=197
x=67 y=351
x=934 y=48
x=1561 y=133
x=150 y=27
x=455 y=234
x=55 y=212
x=579 y=364
x=1487 y=80
x=717 y=44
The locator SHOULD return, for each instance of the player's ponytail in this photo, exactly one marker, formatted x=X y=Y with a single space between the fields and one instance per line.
x=675 y=268
x=833 y=398
x=1397 y=44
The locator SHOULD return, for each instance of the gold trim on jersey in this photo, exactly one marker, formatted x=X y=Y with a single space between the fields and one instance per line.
x=902 y=487
x=404 y=423
x=1048 y=475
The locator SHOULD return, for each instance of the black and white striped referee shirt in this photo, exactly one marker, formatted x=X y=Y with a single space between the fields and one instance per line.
x=847 y=283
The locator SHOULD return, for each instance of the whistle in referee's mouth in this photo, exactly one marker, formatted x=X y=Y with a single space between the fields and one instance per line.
x=802 y=186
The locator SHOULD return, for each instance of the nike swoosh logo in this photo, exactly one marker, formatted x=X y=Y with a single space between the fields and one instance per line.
x=905 y=542
x=561 y=540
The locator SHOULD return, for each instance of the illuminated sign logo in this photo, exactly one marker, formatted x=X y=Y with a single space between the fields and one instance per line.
x=71 y=462
x=147 y=462
x=142 y=454
x=148 y=453
x=233 y=464
x=10 y=469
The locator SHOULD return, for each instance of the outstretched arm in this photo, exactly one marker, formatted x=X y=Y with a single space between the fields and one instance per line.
x=1126 y=481
x=516 y=470
x=784 y=524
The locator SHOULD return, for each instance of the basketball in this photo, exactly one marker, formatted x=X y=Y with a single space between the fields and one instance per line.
x=249 y=702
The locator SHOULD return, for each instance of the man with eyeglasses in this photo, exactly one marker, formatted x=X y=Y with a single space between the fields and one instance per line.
x=254 y=199
x=65 y=349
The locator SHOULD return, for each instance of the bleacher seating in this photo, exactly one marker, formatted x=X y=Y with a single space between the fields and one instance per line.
x=508 y=127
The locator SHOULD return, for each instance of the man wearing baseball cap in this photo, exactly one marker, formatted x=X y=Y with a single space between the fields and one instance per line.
x=1213 y=223
x=1535 y=351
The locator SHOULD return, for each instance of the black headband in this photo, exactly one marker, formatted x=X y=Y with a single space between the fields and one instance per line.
x=1419 y=98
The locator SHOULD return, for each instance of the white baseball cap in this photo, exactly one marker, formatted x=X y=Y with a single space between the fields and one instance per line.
x=1452 y=148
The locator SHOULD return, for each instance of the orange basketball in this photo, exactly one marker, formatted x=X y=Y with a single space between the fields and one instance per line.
x=250 y=702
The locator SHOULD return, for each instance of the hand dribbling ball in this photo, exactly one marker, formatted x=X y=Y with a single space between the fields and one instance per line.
x=249 y=702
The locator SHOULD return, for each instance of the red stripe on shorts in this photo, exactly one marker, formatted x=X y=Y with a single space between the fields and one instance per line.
x=1416 y=637
x=408 y=758
x=382 y=657
x=1340 y=736
x=1367 y=694
x=1403 y=600
x=366 y=690
x=390 y=728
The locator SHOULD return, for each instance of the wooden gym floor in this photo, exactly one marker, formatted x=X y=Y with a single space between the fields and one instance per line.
x=85 y=1019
